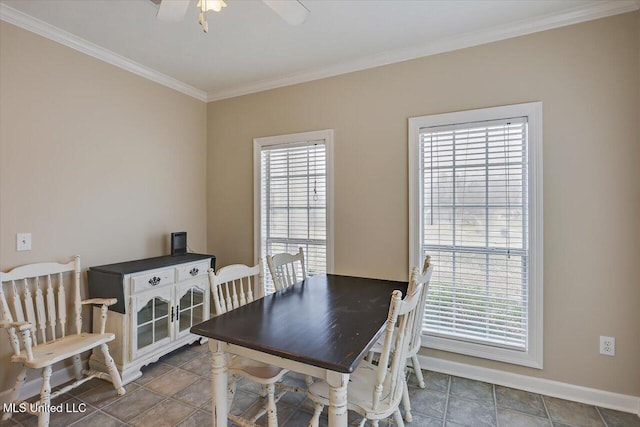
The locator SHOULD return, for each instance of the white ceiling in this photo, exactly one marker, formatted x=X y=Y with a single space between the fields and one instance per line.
x=250 y=48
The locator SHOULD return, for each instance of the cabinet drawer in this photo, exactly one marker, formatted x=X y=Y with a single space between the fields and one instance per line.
x=152 y=280
x=191 y=271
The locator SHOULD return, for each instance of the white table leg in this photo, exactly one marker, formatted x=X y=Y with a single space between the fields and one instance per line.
x=337 y=398
x=219 y=408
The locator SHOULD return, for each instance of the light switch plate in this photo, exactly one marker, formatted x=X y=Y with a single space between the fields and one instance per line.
x=23 y=241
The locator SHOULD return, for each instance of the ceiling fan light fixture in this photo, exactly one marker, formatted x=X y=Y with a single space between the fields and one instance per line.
x=292 y=11
x=205 y=6
x=218 y=5
x=215 y=5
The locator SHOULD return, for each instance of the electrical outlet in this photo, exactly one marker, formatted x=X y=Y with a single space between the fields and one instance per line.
x=608 y=346
x=23 y=242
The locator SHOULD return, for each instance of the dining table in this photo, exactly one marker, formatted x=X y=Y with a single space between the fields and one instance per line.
x=322 y=326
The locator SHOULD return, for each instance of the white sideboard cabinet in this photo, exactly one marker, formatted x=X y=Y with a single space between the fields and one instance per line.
x=159 y=300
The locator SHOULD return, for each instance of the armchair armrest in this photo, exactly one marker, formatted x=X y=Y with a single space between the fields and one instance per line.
x=101 y=301
x=104 y=302
x=20 y=325
x=25 y=331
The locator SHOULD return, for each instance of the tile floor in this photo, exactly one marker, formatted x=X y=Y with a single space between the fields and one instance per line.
x=176 y=392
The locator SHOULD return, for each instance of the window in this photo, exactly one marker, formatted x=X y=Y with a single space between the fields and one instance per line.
x=293 y=198
x=476 y=208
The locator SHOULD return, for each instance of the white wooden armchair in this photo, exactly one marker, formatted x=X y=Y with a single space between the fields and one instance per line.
x=283 y=269
x=34 y=314
x=375 y=391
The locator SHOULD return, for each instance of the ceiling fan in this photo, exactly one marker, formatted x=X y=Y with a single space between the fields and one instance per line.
x=292 y=11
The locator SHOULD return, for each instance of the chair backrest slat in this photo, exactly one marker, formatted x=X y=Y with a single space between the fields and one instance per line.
x=76 y=298
x=51 y=308
x=29 y=304
x=62 y=306
x=243 y=296
x=283 y=269
x=38 y=297
x=235 y=293
x=40 y=311
x=229 y=284
x=218 y=299
x=229 y=303
x=250 y=290
x=17 y=305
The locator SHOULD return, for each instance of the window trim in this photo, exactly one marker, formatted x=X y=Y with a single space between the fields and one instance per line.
x=292 y=139
x=533 y=357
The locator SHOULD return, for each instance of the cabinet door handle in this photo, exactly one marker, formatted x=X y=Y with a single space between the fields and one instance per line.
x=194 y=271
x=171 y=314
x=178 y=312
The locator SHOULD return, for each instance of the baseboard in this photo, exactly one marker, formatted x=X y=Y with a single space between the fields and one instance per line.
x=590 y=396
x=32 y=387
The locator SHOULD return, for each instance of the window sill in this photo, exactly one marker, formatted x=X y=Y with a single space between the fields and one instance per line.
x=530 y=358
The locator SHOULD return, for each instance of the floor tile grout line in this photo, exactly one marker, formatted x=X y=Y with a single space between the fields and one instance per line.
x=117 y=399
x=97 y=411
x=601 y=417
x=546 y=410
x=506 y=408
x=286 y=420
x=188 y=415
x=495 y=404
x=517 y=411
x=446 y=400
x=140 y=415
x=191 y=405
x=143 y=412
x=159 y=376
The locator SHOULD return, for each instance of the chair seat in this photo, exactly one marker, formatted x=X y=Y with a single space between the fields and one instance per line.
x=361 y=384
x=258 y=372
x=62 y=348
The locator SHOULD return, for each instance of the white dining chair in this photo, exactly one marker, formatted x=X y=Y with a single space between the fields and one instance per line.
x=375 y=391
x=284 y=273
x=234 y=286
x=34 y=314
x=415 y=340
x=283 y=269
x=416 y=329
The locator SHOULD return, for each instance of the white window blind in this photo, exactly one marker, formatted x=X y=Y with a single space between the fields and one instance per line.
x=475 y=227
x=293 y=203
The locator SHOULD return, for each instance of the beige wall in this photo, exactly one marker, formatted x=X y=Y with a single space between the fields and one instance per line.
x=588 y=78
x=94 y=160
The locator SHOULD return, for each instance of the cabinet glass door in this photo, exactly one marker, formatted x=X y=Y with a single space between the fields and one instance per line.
x=152 y=320
x=191 y=306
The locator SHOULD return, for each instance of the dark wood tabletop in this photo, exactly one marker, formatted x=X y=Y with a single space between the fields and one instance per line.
x=328 y=321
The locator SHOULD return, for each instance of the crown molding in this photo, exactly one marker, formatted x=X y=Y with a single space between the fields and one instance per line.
x=577 y=15
x=29 y=23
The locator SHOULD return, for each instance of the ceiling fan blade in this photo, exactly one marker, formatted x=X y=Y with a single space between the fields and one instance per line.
x=172 y=10
x=292 y=11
